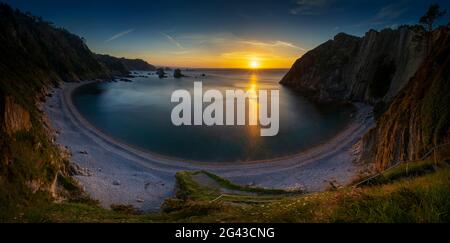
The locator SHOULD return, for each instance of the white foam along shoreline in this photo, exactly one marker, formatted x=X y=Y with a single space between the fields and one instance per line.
x=122 y=174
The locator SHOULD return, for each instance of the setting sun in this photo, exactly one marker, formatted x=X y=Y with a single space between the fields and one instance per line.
x=254 y=64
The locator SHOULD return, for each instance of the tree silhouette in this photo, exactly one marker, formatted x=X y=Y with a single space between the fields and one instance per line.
x=434 y=13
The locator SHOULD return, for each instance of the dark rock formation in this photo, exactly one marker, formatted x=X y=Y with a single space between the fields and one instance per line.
x=160 y=72
x=371 y=69
x=177 y=74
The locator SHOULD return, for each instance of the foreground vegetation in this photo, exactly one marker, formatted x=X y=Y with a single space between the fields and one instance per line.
x=420 y=195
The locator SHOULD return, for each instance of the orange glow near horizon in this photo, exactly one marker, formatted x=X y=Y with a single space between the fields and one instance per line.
x=234 y=59
x=222 y=53
x=225 y=60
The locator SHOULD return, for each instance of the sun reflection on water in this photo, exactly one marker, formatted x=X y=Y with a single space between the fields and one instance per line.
x=253 y=110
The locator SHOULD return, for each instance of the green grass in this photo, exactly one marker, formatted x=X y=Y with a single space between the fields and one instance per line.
x=406 y=170
x=189 y=188
x=425 y=198
x=422 y=195
x=232 y=186
x=422 y=199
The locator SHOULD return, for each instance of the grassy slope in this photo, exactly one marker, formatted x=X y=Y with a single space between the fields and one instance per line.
x=419 y=195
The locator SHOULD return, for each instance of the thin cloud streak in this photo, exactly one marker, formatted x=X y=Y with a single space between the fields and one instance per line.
x=386 y=14
x=119 y=35
x=272 y=44
x=309 y=7
x=173 y=41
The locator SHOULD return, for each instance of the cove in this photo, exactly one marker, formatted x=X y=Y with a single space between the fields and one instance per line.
x=139 y=114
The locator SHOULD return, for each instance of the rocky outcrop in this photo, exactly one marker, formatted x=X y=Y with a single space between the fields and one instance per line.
x=160 y=72
x=178 y=74
x=372 y=69
x=419 y=117
x=15 y=118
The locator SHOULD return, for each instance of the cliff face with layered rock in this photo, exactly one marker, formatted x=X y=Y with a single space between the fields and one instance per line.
x=419 y=117
x=389 y=69
x=15 y=117
x=372 y=69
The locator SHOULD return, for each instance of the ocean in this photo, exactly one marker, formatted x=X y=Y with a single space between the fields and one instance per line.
x=138 y=113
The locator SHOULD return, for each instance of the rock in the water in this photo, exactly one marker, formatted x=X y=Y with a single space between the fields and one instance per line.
x=160 y=72
x=177 y=74
x=116 y=183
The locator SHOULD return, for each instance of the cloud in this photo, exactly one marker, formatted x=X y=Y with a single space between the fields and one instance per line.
x=272 y=44
x=183 y=52
x=390 y=12
x=246 y=55
x=173 y=41
x=309 y=7
x=121 y=34
x=386 y=14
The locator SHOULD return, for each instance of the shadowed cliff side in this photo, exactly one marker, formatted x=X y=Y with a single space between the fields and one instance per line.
x=35 y=56
x=419 y=117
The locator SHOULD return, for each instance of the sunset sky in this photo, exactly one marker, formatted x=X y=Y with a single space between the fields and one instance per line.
x=221 y=34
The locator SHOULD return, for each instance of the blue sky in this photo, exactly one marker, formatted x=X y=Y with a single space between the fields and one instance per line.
x=221 y=33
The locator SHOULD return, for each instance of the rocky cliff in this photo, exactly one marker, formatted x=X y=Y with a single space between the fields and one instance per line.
x=392 y=70
x=372 y=69
x=419 y=117
x=15 y=118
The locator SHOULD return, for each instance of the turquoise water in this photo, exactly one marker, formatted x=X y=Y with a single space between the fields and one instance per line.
x=139 y=114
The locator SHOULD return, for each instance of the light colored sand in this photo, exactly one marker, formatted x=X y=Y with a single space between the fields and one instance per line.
x=120 y=174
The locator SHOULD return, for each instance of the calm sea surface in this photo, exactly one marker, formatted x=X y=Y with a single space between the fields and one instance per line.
x=139 y=114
